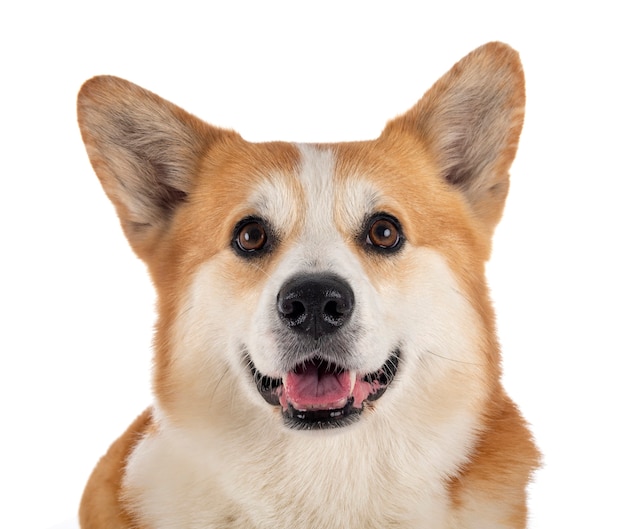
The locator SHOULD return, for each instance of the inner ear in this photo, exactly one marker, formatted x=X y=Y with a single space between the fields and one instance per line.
x=145 y=151
x=471 y=120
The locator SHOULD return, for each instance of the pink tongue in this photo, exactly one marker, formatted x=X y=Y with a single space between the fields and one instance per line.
x=311 y=389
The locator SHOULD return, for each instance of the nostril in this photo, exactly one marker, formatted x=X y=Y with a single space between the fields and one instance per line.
x=334 y=311
x=293 y=310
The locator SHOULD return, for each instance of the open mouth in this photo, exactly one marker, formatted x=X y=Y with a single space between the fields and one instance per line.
x=319 y=394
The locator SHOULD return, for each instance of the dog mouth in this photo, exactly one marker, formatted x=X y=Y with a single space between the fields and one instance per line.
x=319 y=394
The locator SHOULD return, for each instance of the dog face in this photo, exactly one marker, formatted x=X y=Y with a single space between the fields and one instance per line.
x=316 y=286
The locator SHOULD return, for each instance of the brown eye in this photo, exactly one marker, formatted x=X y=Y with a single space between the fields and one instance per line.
x=384 y=233
x=250 y=236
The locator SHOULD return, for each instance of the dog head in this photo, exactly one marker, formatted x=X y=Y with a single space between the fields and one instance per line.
x=320 y=284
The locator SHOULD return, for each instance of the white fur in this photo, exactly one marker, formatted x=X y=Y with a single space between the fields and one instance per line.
x=244 y=468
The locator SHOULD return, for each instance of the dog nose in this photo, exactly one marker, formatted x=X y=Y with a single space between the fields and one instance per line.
x=315 y=305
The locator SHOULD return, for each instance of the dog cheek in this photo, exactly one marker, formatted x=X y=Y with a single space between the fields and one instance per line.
x=447 y=336
x=199 y=342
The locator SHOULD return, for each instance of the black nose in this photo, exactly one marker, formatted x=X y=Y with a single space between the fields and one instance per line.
x=315 y=304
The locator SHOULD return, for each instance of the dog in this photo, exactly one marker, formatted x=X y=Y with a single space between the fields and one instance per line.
x=325 y=355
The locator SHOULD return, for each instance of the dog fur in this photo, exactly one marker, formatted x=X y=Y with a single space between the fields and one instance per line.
x=403 y=225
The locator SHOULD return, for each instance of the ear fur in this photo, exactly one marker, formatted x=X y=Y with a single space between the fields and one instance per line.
x=471 y=120
x=144 y=150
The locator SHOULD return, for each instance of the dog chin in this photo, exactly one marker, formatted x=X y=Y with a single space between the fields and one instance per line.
x=320 y=394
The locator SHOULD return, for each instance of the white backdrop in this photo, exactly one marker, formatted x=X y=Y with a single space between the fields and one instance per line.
x=76 y=305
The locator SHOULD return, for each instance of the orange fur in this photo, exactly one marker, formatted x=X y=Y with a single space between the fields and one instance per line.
x=101 y=503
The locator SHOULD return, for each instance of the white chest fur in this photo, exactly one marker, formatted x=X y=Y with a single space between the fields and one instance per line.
x=369 y=475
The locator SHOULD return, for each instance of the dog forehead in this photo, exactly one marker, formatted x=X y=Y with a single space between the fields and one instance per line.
x=313 y=196
x=316 y=177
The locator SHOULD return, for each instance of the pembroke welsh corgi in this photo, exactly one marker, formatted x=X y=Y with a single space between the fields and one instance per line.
x=325 y=353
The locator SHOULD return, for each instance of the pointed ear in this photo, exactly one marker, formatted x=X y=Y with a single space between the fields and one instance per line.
x=471 y=120
x=145 y=151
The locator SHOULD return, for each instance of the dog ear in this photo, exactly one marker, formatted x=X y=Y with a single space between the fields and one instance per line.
x=145 y=151
x=471 y=120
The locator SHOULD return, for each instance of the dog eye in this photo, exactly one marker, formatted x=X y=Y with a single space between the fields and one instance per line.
x=250 y=236
x=384 y=233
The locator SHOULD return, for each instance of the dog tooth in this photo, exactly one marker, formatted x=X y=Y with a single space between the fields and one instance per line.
x=352 y=380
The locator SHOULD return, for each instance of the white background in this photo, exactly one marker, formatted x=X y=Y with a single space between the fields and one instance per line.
x=76 y=305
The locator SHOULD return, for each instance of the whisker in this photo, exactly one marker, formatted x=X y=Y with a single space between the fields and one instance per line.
x=456 y=360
